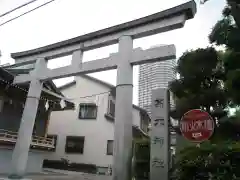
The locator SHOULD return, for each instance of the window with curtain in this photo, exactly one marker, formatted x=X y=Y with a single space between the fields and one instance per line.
x=87 y=111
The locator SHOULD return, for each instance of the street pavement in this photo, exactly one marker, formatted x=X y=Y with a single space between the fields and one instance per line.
x=63 y=175
x=70 y=177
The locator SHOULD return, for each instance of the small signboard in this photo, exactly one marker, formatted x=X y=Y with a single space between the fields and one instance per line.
x=197 y=125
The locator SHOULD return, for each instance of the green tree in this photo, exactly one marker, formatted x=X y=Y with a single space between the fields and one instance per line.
x=200 y=85
x=232 y=9
x=209 y=161
x=219 y=158
x=226 y=32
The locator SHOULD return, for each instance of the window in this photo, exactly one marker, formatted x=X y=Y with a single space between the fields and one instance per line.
x=87 y=111
x=74 y=144
x=110 y=147
x=111 y=108
x=1 y=104
x=144 y=121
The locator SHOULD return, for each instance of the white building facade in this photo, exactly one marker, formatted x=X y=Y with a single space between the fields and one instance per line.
x=91 y=124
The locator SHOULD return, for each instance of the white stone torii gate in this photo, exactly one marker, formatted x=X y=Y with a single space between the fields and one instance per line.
x=126 y=57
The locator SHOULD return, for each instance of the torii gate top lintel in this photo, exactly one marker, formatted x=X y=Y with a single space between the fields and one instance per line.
x=166 y=20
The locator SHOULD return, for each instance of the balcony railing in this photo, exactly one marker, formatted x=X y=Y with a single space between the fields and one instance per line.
x=10 y=136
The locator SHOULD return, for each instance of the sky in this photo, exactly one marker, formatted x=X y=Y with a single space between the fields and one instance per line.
x=64 y=19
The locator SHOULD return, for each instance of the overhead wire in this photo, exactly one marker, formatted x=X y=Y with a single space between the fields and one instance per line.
x=26 y=13
x=14 y=9
x=64 y=98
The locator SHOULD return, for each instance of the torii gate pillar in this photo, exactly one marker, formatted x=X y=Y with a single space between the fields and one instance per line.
x=123 y=112
x=20 y=154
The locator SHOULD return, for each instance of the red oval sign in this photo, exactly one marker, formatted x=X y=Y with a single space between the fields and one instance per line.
x=197 y=125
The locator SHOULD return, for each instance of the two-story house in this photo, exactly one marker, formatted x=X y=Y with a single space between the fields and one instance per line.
x=86 y=134
x=12 y=100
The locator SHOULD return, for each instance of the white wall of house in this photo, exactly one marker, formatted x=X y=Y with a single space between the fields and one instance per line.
x=96 y=131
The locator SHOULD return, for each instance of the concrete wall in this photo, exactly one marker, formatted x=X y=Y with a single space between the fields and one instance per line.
x=96 y=132
x=34 y=165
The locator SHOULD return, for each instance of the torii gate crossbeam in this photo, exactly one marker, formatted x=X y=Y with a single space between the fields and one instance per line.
x=139 y=56
x=123 y=60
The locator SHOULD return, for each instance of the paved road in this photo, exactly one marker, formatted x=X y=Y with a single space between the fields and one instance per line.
x=64 y=175
x=70 y=177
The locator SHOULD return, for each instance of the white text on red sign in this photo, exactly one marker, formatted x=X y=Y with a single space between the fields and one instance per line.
x=197 y=125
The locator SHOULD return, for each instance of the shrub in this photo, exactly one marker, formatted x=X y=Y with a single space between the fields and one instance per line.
x=209 y=161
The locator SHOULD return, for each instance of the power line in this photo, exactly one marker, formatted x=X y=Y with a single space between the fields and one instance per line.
x=9 y=84
x=12 y=10
x=26 y=13
x=62 y=100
